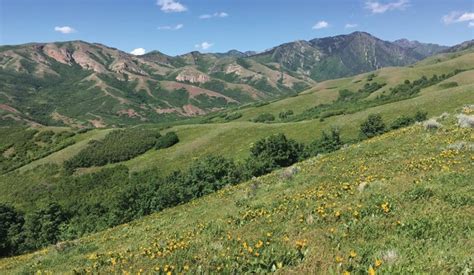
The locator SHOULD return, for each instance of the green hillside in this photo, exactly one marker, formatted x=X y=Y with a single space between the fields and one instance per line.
x=398 y=203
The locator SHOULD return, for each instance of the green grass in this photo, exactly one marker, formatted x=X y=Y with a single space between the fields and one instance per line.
x=403 y=199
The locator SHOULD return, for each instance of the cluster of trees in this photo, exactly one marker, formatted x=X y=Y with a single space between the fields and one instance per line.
x=409 y=88
x=120 y=145
x=19 y=233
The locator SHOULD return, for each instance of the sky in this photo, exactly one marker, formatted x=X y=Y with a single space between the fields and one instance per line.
x=180 y=26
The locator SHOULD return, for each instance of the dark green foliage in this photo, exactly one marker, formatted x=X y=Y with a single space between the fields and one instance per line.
x=168 y=140
x=117 y=146
x=300 y=86
x=327 y=143
x=264 y=117
x=278 y=149
x=42 y=227
x=20 y=146
x=232 y=116
x=206 y=102
x=285 y=114
x=263 y=85
x=373 y=126
x=225 y=77
x=401 y=122
x=421 y=116
x=243 y=62
x=345 y=95
x=405 y=121
x=11 y=223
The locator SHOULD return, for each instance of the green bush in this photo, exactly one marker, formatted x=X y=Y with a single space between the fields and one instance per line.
x=421 y=116
x=232 y=116
x=327 y=143
x=279 y=150
x=264 y=117
x=168 y=140
x=285 y=114
x=401 y=122
x=373 y=126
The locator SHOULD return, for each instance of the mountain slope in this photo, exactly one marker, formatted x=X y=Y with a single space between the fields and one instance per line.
x=82 y=84
x=342 y=55
x=425 y=49
x=397 y=203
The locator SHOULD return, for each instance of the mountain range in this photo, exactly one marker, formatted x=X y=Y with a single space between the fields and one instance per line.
x=84 y=84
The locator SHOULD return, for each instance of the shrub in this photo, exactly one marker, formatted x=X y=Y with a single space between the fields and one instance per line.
x=278 y=149
x=285 y=114
x=421 y=116
x=401 y=122
x=326 y=144
x=265 y=117
x=373 y=126
x=168 y=140
x=232 y=116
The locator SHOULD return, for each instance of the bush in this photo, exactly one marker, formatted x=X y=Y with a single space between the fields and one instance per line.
x=327 y=143
x=168 y=140
x=401 y=122
x=373 y=126
x=278 y=150
x=421 y=116
x=285 y=114
x=265 y=117
x=232 y=116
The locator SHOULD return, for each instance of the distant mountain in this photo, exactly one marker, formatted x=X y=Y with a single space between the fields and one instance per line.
x=460 y=47
x=342 y=55
x=78 y=83
x=425 y=49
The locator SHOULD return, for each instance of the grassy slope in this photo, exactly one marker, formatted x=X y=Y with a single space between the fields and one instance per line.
x=311 y=222
x=234 y=138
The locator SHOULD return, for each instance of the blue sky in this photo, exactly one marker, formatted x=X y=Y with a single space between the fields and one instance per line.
x=179 y=26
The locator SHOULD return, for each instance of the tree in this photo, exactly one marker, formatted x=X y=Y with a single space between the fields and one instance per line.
x=42 y=227
x=10 y=229
x=278 y=149
x=373 y=126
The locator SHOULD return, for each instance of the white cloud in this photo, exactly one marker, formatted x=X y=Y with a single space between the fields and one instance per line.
x=64 y=29
x=216 y=14
x=377 y=7
x=458 y=17
x=171 y=28
x=471 y=24
x=204 y=45
x=171 y=6
x=321 y=25
x=138 y=51
x=350 y=26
